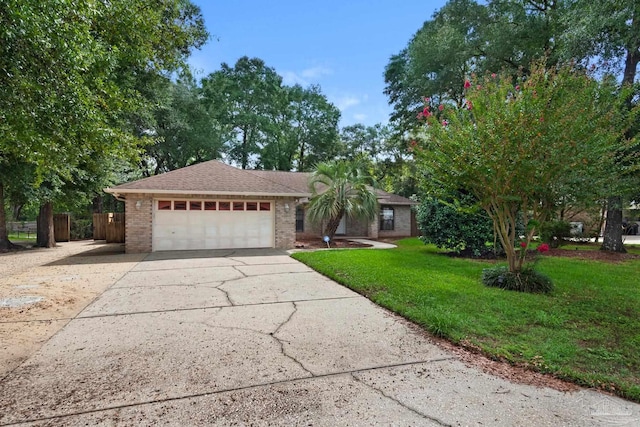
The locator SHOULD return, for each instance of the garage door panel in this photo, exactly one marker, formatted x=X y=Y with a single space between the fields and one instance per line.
x=181 y=230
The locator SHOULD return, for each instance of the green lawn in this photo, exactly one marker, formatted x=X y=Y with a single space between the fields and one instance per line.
x=586 y=331
x=22 y=237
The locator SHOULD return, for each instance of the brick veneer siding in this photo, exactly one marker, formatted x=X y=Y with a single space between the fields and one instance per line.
x=358 y=228
x=138 y=223
x=285 y=227
x=401 y=223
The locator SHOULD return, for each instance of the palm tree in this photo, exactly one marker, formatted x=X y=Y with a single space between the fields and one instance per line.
x=341 y=188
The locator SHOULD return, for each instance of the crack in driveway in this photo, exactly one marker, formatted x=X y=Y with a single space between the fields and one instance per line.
x=281 y=342
x=396 y=400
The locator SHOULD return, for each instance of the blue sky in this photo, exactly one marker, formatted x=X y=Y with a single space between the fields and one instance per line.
x=343 y=46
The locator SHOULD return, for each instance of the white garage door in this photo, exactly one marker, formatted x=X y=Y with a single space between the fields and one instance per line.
x=212 y=224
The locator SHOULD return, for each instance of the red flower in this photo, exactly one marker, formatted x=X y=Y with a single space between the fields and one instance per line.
x=469 y=105
x=427 y=100
x=493 y=75
x=543 y=248
x=444 y=123
x=467 y=84
x=440 y=107
x=523 y=244
x=517 y=87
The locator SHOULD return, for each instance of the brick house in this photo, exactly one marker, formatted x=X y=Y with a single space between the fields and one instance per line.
x=212 y=205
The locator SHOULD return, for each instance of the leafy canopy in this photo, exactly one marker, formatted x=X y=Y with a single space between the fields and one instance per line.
x=519 y=146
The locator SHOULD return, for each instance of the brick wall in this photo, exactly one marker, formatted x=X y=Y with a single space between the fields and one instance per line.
x=138 y=219
x=285 y=227
x=402 y=223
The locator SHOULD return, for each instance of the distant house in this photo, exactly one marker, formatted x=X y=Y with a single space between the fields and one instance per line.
x=212 y=205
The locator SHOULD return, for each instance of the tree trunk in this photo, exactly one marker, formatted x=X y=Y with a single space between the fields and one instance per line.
x=4 y=233
x=332 y=226
x=612 y=237
x=98 y=203
x=45 y=236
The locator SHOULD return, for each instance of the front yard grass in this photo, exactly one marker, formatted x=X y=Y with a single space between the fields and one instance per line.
x=586 y=331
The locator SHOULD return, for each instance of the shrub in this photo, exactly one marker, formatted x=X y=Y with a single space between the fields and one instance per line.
x=526 y=280
x=455 y=228
x=555 y=232
x=81 y=229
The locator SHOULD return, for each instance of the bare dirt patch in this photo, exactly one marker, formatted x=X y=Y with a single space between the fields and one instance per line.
x=63 y=280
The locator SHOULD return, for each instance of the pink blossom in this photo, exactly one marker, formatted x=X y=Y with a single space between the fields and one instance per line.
x=543 y=248
x=517 y=87
x=467 y=84
x=493 y=75
x=469 y=105
x=523 y=244
x=445 y=123
x=440 y=107
x=427 y=100
x=479 y=87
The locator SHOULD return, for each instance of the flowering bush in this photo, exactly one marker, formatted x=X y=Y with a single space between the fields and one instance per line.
x=518 y=146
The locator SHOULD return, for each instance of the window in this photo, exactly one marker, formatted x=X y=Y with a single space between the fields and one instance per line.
x=265 y=206
x=164 y=205
x=299 y=219
x=195 y=206
x=386 y=218
x=209 y=206
x=238 y=206
x=224 y=206
x=180 y=205
x=252 y=206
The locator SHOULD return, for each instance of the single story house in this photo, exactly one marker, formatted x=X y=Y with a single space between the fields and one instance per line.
x=212 y=205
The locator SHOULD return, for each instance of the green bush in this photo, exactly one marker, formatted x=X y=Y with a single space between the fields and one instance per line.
x=456 y=228
x=526 y=280
x=81 y=229
x=555 y=232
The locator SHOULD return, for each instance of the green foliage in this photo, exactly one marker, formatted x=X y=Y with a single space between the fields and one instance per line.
x=268 y=125
x=81 y=229
x=555 y=232
x=70 y=82
x=594 y=306
x=519 y=147
x=526 y=280
x=341 y=188
x=465 y=37
x=454 y=227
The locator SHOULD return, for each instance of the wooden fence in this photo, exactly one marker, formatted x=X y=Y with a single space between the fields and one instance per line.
x=62 y=227
x=109 y=227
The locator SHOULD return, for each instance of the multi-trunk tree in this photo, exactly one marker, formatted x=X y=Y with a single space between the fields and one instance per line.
x=519 y=146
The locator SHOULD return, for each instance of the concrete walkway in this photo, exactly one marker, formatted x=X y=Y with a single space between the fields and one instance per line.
x=256 y=338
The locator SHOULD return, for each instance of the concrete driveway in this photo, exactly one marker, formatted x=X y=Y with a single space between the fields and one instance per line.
x=256 y=338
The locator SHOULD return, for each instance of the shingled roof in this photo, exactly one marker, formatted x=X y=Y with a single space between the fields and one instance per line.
x=217 y=178
x=212 y=177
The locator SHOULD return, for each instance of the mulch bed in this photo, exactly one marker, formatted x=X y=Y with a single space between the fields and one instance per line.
x=319 y=244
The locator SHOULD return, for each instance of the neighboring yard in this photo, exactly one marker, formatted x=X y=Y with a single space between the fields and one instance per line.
x=586 y=331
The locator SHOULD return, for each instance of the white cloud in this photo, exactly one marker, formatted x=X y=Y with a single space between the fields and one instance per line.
x=305 y=77
x=346 y=101
x=290 y=78
x=315 y=72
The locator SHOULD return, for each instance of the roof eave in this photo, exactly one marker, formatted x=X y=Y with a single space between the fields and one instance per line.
x=124 y=191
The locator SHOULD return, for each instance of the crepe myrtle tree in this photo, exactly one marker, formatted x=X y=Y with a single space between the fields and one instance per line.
x=518 y=145
x=341 y=188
